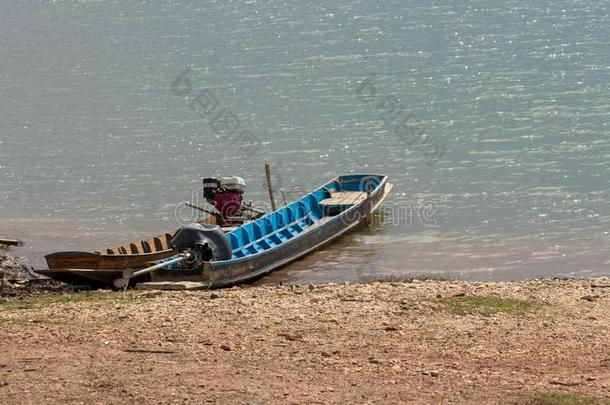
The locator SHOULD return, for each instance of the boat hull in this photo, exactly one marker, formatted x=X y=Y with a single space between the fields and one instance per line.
x=93 y=278
x=96 y=261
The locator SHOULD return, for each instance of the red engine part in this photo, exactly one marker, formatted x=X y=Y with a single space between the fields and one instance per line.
x=228 y=203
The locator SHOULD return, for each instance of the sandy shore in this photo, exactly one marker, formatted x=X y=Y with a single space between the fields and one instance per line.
x=417 y=342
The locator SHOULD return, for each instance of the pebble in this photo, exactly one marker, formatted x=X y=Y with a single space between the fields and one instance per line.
x=292 y=336
x=150 y=294
x=225 y=347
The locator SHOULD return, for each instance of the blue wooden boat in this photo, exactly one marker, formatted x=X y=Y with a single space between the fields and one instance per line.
x=270 y=242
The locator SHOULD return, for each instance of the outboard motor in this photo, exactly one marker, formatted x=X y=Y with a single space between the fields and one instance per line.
x=195 y=244
x=203 y=242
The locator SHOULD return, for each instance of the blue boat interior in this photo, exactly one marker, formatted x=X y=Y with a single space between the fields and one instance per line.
x=287 y=222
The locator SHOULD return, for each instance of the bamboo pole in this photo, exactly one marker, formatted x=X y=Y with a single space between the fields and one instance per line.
x=269 y=185
x=369 y=206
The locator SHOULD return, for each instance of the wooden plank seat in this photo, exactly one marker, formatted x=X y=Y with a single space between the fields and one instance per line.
x=341 y=200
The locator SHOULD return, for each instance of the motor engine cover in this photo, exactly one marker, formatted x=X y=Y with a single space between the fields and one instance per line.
x=192 y=235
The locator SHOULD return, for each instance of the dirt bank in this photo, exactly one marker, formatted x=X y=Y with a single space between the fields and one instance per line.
x=420 y=342
x=13 y=268
x=17 y=280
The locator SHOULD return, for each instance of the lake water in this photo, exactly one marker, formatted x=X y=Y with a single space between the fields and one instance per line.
x=99 y=139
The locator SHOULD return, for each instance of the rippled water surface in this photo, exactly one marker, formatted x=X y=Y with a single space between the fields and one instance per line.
x=98 y=140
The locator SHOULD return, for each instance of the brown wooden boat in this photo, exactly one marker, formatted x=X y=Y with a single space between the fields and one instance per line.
x=131 y=255
x=71 y=266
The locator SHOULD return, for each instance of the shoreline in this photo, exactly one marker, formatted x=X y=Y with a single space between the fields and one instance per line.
x=414 y=342
x=351 y=257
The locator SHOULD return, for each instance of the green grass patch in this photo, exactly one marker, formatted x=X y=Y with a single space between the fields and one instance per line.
x=484 y=305
x=556 y=398
x=46 y=300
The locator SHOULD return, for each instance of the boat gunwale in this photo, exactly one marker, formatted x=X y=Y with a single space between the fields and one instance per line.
x=83 y=252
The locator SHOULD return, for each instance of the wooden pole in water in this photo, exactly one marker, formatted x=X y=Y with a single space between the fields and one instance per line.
x=369 y=206
x=10 y=242
x=269 y=186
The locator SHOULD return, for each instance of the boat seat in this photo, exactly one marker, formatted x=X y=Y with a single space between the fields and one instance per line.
x=344 y=198
x=341 y=200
